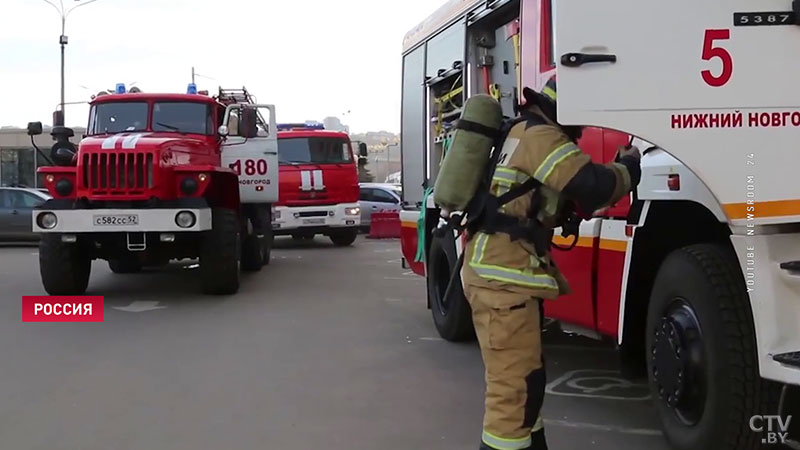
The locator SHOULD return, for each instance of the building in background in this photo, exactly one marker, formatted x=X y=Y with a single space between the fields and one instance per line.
x=334 y=124
x=19 y=160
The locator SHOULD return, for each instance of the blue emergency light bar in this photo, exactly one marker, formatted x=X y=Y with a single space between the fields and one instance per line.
x=310 y=125
x=192 y=89
x=120 y=88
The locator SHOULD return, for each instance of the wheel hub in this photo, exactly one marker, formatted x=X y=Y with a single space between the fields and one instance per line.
x=669 y=362
x=678 y=362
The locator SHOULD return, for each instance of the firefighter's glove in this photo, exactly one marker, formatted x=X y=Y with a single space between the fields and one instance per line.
x=631 y=159
x=631 y=150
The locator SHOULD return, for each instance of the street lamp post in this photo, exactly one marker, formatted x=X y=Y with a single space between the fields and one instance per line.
x=62 y=40
x=388 y=150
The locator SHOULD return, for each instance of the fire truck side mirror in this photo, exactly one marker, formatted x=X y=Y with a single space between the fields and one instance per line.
x=248 y=127
x=223 y=131
x=362 y=149
x=34 y=128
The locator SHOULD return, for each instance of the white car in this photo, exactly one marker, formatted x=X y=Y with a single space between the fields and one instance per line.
x=378 y=197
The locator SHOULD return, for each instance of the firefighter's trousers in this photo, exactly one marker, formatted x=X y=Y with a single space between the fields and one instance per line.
x=508 y=326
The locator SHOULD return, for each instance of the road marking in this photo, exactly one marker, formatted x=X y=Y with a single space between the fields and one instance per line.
x=139 y=306
x=608 y=428
x=610 y=379
x=435 y=339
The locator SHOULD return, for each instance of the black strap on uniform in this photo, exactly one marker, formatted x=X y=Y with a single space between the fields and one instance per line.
x=484 y=212
x=476 y=127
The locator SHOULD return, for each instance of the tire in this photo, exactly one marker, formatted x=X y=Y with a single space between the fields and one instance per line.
x=452 y=314
x=64 y=267
x=344 y=238
x=253 y=253
x=124 y=266
x=256 y=252
x=220 y=254
x=701 y=348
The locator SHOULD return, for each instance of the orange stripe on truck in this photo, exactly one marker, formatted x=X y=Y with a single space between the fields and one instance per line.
x=582 y=241
x=611 y=244
x=760 y=210
x=408 y=224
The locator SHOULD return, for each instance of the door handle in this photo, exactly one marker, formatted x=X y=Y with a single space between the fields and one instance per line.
x=579 y=59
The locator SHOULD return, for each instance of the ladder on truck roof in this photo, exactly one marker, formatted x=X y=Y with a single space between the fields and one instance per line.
x=230 y=96
x=237 y=96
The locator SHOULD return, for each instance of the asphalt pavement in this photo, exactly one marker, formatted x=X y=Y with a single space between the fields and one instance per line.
x=326 y=348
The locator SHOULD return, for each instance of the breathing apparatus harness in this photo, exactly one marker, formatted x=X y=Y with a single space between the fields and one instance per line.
x=483 y=213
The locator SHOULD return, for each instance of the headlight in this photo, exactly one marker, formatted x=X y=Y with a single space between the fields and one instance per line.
x=47 y=220
x=64 y=187
x=185 y=219
x=352 y=211
x=189 y=186
x=331 y=213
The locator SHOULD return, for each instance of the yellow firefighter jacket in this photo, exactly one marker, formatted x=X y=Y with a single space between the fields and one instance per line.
x=546 y=153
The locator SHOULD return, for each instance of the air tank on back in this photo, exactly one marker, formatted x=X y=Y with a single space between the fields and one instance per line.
x=469 y=154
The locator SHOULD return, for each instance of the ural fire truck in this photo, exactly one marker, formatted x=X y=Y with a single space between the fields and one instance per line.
x=696 y=277
x=319 y=184
x=159 y=177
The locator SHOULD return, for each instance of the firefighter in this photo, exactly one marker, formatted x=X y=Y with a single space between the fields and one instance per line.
x=506 y=279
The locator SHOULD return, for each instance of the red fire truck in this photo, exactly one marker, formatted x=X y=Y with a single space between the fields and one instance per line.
x=319 y=184
x=668 y=274
x=159 y=177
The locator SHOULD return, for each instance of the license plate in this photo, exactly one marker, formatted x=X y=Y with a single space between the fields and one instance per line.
x=116 y=220
x=314 y=221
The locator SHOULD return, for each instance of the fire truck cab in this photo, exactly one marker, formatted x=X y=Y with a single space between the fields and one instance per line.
x=694 y=278
x=159 y=177
x=319 y=184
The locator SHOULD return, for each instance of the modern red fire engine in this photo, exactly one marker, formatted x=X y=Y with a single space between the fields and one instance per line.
x=159 y=177
x=319 y=184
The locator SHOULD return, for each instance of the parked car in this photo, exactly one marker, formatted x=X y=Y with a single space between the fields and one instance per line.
x=377 y=197
x=16 y=210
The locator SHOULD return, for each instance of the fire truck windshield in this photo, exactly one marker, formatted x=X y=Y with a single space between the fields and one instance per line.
x=174 y=117
x=314 y=151
x=182 y=117
x=110 y=118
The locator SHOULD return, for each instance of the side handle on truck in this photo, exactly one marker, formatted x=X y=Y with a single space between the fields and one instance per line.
x=579 y=59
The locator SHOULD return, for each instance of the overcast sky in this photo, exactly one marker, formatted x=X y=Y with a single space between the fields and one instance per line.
x=312 y=58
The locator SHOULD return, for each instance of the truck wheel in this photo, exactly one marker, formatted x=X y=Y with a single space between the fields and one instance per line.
x=701 y=352
x=344 y=238
x=122 y=266
x=452 y=315
x=269 y=239
x=253 y=253
x=220 y=253
x=64 y=267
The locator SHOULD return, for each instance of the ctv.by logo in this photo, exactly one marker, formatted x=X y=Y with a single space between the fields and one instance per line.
x=777 y=428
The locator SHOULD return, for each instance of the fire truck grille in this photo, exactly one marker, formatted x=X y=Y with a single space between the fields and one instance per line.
x=117 y=173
